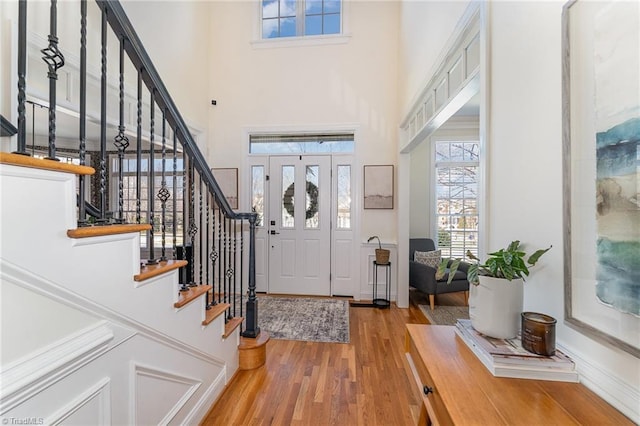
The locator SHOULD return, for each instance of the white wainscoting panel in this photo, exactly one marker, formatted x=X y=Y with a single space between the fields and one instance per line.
x=91 y=407
x=151 y=385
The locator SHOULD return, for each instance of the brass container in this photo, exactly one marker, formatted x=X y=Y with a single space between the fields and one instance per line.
x=539 y=333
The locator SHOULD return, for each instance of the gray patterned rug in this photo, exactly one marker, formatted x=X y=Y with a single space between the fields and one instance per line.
x=304 y=318
x=444 y=315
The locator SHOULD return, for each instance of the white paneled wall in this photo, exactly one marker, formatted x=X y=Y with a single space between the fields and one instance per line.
x=82 y=342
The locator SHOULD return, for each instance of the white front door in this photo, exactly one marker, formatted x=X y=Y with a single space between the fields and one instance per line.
x=299 y=226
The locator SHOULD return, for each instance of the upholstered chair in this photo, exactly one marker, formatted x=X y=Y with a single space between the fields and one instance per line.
x=423 y=276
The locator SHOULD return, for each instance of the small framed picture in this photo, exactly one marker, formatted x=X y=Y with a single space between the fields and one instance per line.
x=378 y=187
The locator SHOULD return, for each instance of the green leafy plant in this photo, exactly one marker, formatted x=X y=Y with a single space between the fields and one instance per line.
x=442 y=269
x=506 y=263
x=375 y=237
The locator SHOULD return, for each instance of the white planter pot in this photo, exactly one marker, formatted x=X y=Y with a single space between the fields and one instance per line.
x=495 y=306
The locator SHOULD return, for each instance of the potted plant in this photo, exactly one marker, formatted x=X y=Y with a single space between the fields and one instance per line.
x=382 y=255
x=496 y=291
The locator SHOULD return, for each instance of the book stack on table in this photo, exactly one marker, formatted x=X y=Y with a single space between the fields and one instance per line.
x=507 y=357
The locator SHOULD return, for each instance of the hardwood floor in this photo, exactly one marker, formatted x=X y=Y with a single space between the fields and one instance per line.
x=308 y=383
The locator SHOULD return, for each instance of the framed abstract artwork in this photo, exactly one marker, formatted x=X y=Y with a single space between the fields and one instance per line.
x=601 y=170
x=378 y=187
x=228 y=181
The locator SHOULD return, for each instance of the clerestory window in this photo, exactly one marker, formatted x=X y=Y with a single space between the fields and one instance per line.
x=297 y=18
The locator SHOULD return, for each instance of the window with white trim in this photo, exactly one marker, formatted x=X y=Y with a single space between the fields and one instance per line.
x=297 y=18
x=456 y=197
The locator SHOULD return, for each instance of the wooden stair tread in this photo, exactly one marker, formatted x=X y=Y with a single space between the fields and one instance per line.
x=102 y=230
x=190 y=295
x=214 y=312
x=150 y=271
x=252 y=353
x=231 y=325
x=41 y=163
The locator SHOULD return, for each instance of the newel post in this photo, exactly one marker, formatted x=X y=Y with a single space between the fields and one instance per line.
x=252 y=329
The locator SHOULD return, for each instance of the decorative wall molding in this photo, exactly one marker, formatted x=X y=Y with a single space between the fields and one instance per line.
x=202 y=407
x=42 y=286
x=25 y=377
x=163 y=377
x=455 y=80
x=101 y=392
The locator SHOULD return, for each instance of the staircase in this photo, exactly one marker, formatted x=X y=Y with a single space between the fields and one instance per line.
x=117 y=308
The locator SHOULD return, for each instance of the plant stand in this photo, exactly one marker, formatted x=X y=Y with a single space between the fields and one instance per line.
x=377 y=302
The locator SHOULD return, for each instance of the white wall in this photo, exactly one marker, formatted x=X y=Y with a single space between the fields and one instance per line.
x=420 y=191
x=351 y=84
x=425 y=27
x=524 y=159
x=181 y=55
x=525 y=166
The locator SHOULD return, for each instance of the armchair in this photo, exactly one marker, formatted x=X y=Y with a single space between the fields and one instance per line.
x=423 y=277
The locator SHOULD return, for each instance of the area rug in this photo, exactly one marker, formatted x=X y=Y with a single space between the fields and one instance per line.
x=444 y=315
x=304 y=318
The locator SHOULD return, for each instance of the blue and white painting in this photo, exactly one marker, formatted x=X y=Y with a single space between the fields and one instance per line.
x=617 y=100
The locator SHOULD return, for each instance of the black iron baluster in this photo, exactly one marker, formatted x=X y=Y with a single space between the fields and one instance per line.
x=214 y=251
x=193 y=229
x=151 y=187
x=185 y=212
x=22 y=72
x=241 y=265
x=220 y=251
x=184 y=280
x=175 y=196
x=54 y=60
x=139 y=151
x=163 y=193
x=235 y=266
x=121 y=141
x=200 y=258
x=208 y=254
x=103 y=118
x=82 y=216
x=252 y=329
x=225 y=253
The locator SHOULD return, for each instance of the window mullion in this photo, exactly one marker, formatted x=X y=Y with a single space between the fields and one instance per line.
x=300 y=15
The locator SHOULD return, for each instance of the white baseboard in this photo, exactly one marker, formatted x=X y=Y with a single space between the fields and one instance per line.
x=619 y=394
x=197 y=413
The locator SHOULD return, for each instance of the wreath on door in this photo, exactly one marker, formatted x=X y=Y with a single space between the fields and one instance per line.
x=312 y=192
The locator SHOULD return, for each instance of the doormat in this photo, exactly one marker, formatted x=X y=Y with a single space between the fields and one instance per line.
x=444 y=315
x=304 y=318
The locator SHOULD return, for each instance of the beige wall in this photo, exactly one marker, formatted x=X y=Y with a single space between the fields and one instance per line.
x=307 y=87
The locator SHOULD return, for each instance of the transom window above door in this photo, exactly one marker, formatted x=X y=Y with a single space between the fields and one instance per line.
x=298 y=18
x=301 y=143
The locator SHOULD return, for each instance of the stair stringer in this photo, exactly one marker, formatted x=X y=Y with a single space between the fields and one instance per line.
x=99 y=269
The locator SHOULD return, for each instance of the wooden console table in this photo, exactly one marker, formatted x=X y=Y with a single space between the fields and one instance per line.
x=458 y=389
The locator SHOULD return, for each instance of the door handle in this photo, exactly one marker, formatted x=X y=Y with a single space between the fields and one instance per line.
x=274 y=232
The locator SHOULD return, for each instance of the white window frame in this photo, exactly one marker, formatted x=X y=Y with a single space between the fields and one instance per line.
x=434 y=197
x=300 y=40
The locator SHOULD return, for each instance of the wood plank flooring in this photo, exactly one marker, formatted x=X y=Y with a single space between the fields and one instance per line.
x=308 y=383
